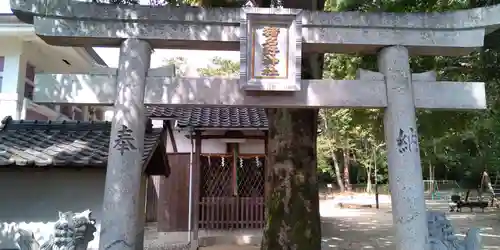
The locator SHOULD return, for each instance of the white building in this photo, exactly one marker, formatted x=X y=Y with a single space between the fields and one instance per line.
x=22 y=54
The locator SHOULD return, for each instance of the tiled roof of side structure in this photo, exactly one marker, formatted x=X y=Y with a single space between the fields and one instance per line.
x=61 y=143
x=155 y=111
x=212 y=117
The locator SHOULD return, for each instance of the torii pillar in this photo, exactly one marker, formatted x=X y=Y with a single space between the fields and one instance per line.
x=120 y=229
x=405 y=171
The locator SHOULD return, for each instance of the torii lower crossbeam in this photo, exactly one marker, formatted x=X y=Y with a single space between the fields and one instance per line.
x=369 y=91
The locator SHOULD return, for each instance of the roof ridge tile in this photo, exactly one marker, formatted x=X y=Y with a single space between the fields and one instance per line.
x=213 y=117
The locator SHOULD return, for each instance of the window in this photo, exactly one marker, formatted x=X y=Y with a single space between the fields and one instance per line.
x=99 y=115
x=67 y=110
x=50 y=106
x=1 y=70
x=33 y=115
x=28 y=91
x=78 y=115
x=29 y=81
x=30 y=72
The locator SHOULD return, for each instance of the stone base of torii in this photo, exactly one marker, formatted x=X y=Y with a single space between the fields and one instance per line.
x=139 y=29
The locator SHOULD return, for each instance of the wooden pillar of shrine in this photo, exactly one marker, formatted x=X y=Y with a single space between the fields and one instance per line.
x=195 y=213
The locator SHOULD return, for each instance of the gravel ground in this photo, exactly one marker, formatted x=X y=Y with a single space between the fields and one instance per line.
x=231 y=247
x=372 y=229
x=359 y=229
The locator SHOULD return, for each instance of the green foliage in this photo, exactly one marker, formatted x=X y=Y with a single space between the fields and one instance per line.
x=180 y=64
x=460 y=144
x=218 y=67
x=221 y=67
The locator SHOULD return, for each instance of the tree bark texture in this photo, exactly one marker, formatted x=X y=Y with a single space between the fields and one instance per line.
x=293 y=220
x=369 y=179
x=486 y=182
x=347 y=163
x=336 y=168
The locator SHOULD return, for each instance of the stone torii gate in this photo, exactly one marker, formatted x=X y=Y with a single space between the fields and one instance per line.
x=271 y=42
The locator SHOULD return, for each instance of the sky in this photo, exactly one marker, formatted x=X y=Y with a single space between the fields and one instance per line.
x=195 y=58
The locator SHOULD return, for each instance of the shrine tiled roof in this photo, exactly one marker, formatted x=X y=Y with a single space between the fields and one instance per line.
x=62 y=143
x=212 y=117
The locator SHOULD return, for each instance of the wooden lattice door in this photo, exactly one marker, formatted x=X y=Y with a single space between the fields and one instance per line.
x=232 y=192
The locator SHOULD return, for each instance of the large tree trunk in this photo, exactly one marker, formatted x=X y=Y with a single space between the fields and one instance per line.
x=293 y=220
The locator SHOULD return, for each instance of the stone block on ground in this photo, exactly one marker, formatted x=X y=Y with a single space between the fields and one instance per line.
x=442 y=234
